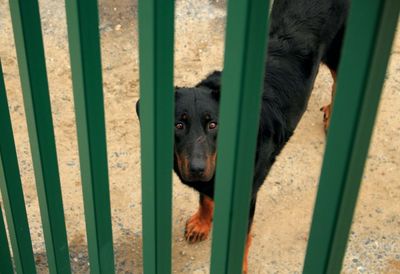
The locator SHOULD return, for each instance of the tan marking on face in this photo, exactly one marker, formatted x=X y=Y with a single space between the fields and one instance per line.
x=210 y=165
x=183 y=164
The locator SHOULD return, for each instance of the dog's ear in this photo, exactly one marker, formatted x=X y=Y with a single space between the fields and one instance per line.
x=177 y=92
x=138 y=109
x=138 y=103
x=216 y=94
x=213 y=82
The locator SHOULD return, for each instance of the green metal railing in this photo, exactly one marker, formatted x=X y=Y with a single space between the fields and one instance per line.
x=84 y=44
x=5 y=256
x=31 y=61
x=368 y=41
x=11 y=191
x=239 y=118
x=156 y=32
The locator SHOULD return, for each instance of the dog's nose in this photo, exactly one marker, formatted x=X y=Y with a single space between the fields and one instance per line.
x=197 y=167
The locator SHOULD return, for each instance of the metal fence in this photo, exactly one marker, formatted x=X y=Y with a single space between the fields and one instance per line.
x=368 y=40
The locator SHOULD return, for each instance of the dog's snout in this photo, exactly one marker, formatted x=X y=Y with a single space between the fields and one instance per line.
x=197 y=167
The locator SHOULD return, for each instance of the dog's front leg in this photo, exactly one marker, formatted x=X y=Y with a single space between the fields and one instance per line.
x=199 y=225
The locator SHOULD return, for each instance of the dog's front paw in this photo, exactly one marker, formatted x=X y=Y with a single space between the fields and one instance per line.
x=197 y=228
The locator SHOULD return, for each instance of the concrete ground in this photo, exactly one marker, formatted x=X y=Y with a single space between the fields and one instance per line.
x=286 y=200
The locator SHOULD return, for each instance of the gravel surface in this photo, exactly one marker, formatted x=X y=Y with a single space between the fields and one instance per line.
x=285 y=202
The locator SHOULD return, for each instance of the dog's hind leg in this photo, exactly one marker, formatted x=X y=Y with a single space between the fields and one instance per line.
x=249 y=236
x=246 y=252
x=332 y=60
x=327 y=110
x=199 y=225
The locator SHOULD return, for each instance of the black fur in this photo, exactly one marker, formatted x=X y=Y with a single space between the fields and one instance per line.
x=303 y=33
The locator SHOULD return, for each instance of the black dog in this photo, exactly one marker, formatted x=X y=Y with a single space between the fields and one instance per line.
x=303 y=33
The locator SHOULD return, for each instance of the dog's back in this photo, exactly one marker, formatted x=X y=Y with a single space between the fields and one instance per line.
x=302 y=34
x=309 y=22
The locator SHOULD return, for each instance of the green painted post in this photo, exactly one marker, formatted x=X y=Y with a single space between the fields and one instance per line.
x=366 y=51
x=11 y=191
x=156 y=36
x=29 y=45
x=239 y=119
x=6 y=266
x=84 y=44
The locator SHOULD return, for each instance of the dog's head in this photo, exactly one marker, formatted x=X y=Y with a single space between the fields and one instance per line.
x=196 y=127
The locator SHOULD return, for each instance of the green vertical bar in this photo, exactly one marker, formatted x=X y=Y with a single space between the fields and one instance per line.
x=239 y=120
x=84 y=44
x=11 y=191
x=366 y=51
x=28 y=40
x=5 y=256
x=156 y=36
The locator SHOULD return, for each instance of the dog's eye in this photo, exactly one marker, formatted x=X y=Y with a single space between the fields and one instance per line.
x=179 y=126
x=212 y=125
